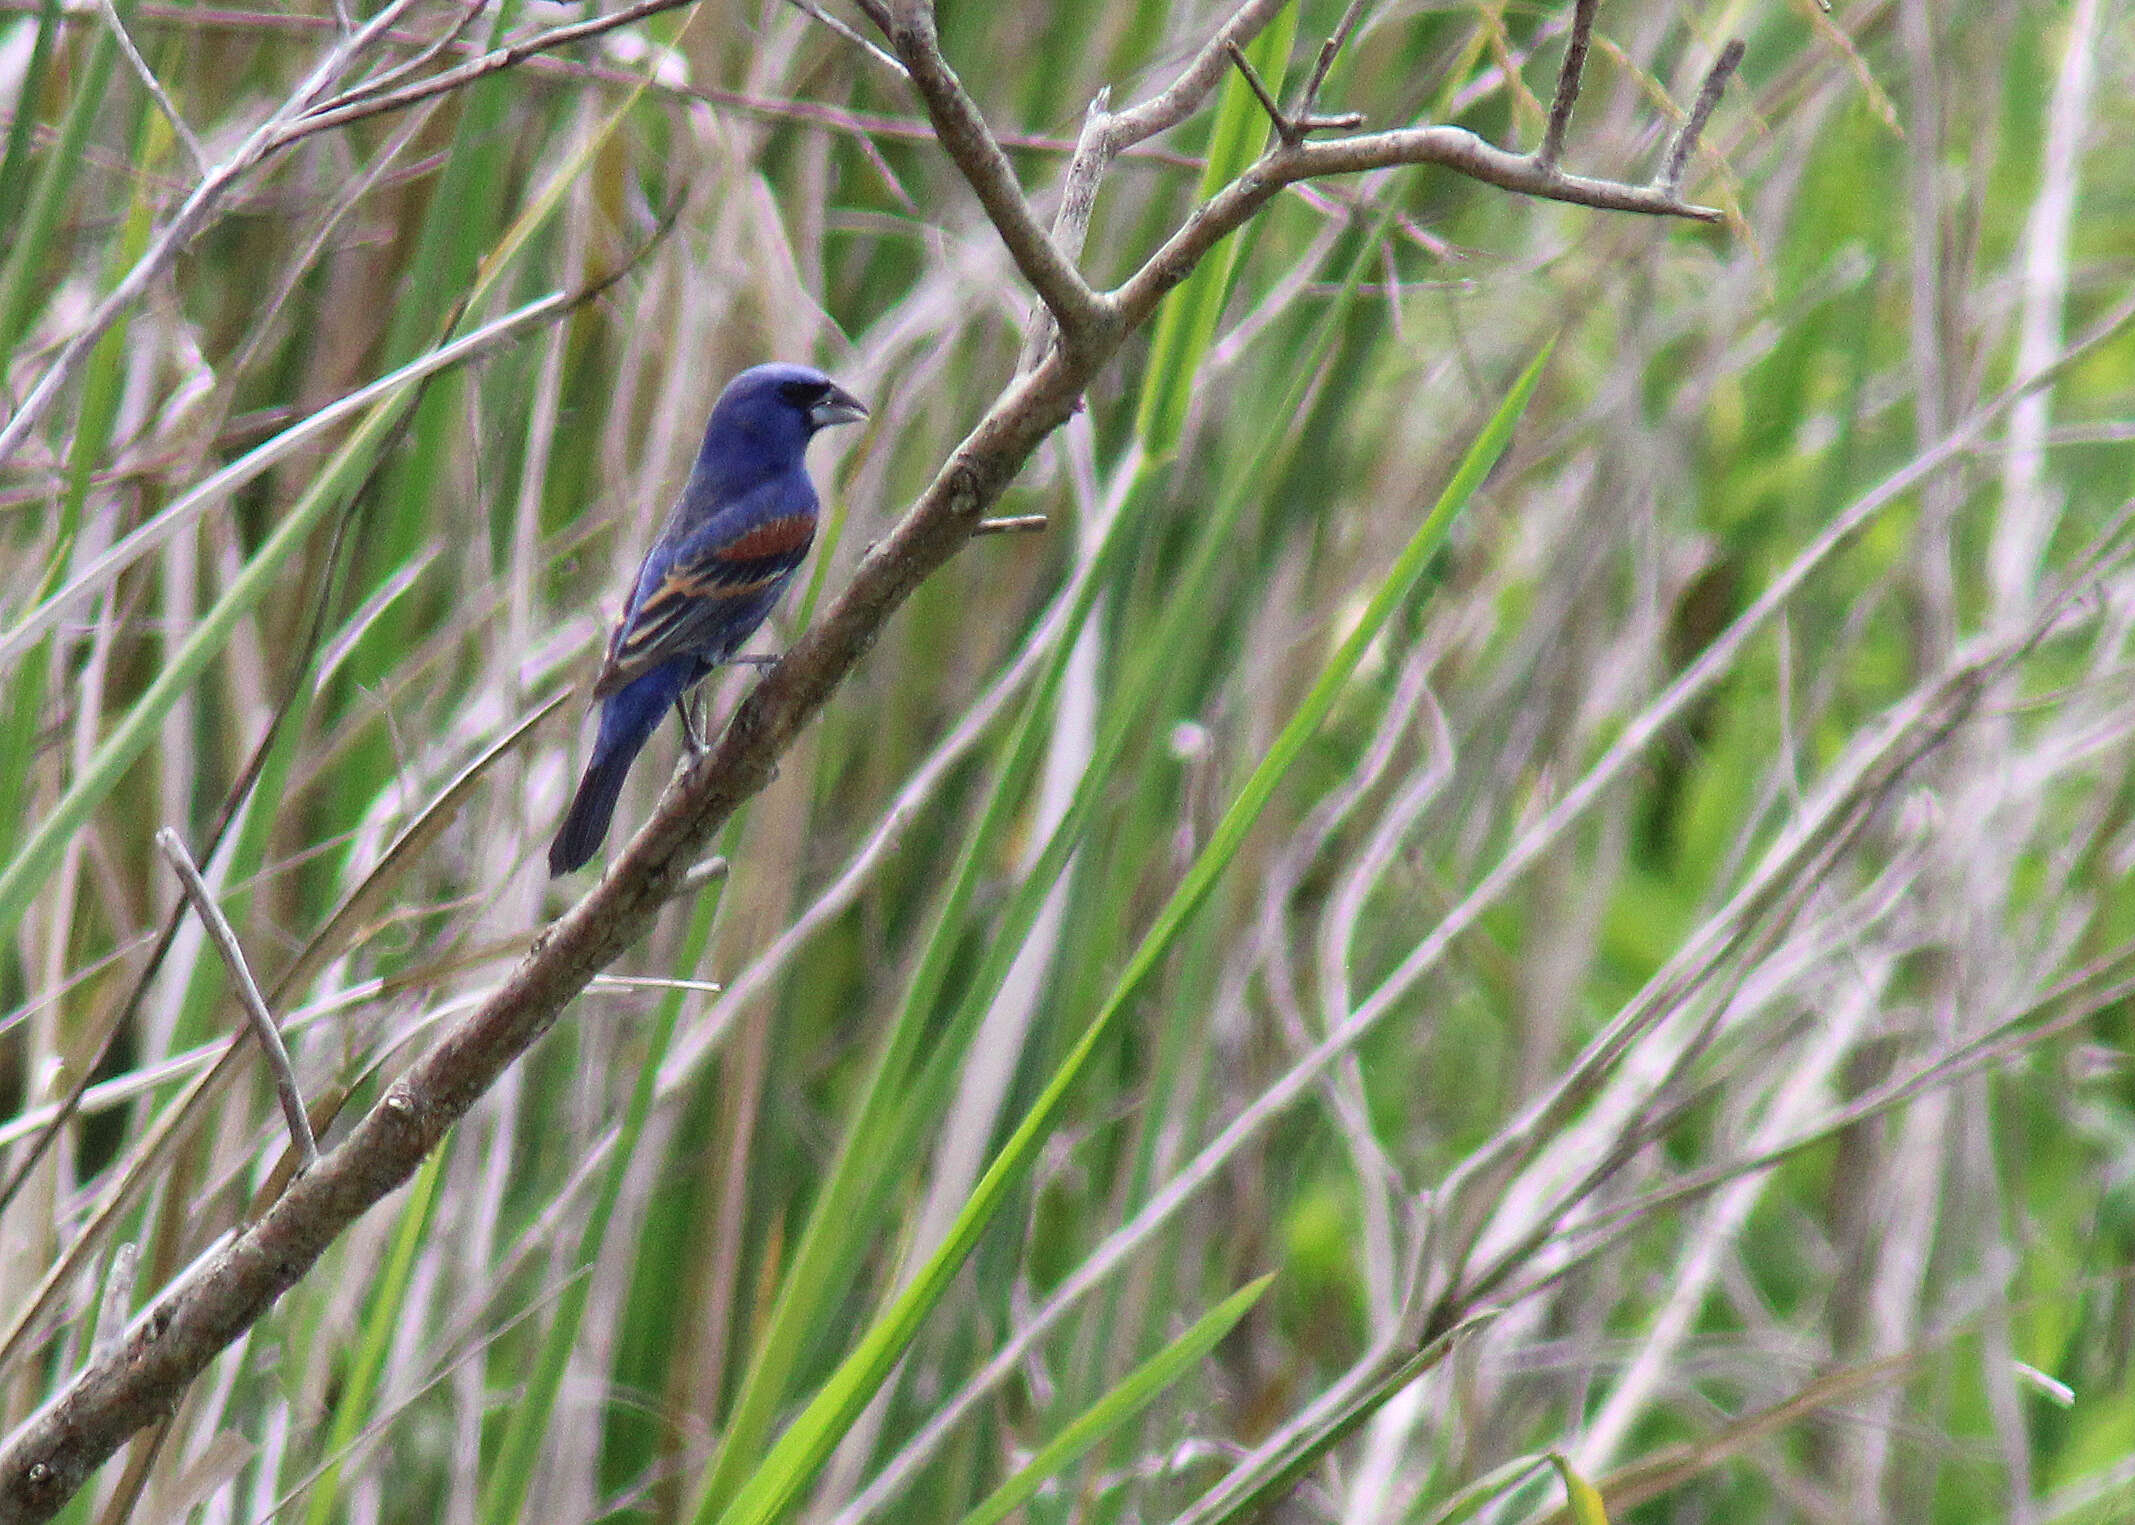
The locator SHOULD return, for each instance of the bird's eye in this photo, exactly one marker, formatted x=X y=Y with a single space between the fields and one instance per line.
x=804 y=394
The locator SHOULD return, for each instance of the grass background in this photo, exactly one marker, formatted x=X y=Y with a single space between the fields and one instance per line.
x=1735 y=981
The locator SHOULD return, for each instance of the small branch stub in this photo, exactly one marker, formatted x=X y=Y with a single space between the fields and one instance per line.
x=1011 y=524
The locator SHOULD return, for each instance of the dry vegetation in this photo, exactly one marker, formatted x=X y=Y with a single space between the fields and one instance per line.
x=1606 y=877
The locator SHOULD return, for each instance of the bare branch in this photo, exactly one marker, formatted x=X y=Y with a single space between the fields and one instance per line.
x=154 y=86
x=1184 y=95
x=860 y=124
x=340 y=113
x=444 y=41
x=1078 y=202
x=1686 y=141
x=1081 y=313
x=1567 y=96
x=224 y=936
x=1453 y=148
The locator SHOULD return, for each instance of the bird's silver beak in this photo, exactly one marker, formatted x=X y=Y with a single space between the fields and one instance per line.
x=839 y=407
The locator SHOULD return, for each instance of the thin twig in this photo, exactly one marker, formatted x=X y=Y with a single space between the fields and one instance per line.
x=328 y=116
x=1686 y=141
x=880 y=55
x=248 y=996
x=444 y=42
x=1337 y=40
x=859 y=124
x=118 y=1296
x=1289 y=129
x=1184 y=95
x=1567 y=96
x=1453 y=148
x=153 y=85
x=1260 y=91
x=1013 y=524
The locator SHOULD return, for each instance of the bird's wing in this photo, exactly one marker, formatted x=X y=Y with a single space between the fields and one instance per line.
x=714 y=584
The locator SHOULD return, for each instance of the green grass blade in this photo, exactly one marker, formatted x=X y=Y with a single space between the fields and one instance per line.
x=860 y=1175
x=1487 y=1489
x=1262 y=1480
x=1186 y=324
x=890 y=1121
x=22 y=285
x=101 y=384
x=354 y=1409
x=509 y=1478
x=13 y=161
x=1115 y=1408
x=1580 y=1496
x=25 y=874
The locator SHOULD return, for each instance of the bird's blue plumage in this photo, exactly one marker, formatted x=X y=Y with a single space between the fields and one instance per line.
x=740 y=529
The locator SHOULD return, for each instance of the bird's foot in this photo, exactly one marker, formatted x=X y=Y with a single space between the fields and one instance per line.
x=692 y=738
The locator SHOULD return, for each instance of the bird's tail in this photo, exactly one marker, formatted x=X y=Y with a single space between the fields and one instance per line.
x=591 y=809
x=627 y=721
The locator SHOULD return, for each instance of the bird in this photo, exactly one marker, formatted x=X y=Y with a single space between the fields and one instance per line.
x=737 y=533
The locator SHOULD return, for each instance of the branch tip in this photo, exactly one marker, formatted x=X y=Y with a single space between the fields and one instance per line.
x=118 y=1297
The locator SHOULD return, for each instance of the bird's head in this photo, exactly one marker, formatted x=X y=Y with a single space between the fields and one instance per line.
x=768 y=414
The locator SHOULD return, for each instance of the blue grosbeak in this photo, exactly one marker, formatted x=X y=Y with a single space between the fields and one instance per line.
x=741 y=527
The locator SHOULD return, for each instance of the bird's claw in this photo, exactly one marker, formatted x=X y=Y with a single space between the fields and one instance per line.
x=692 y=738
